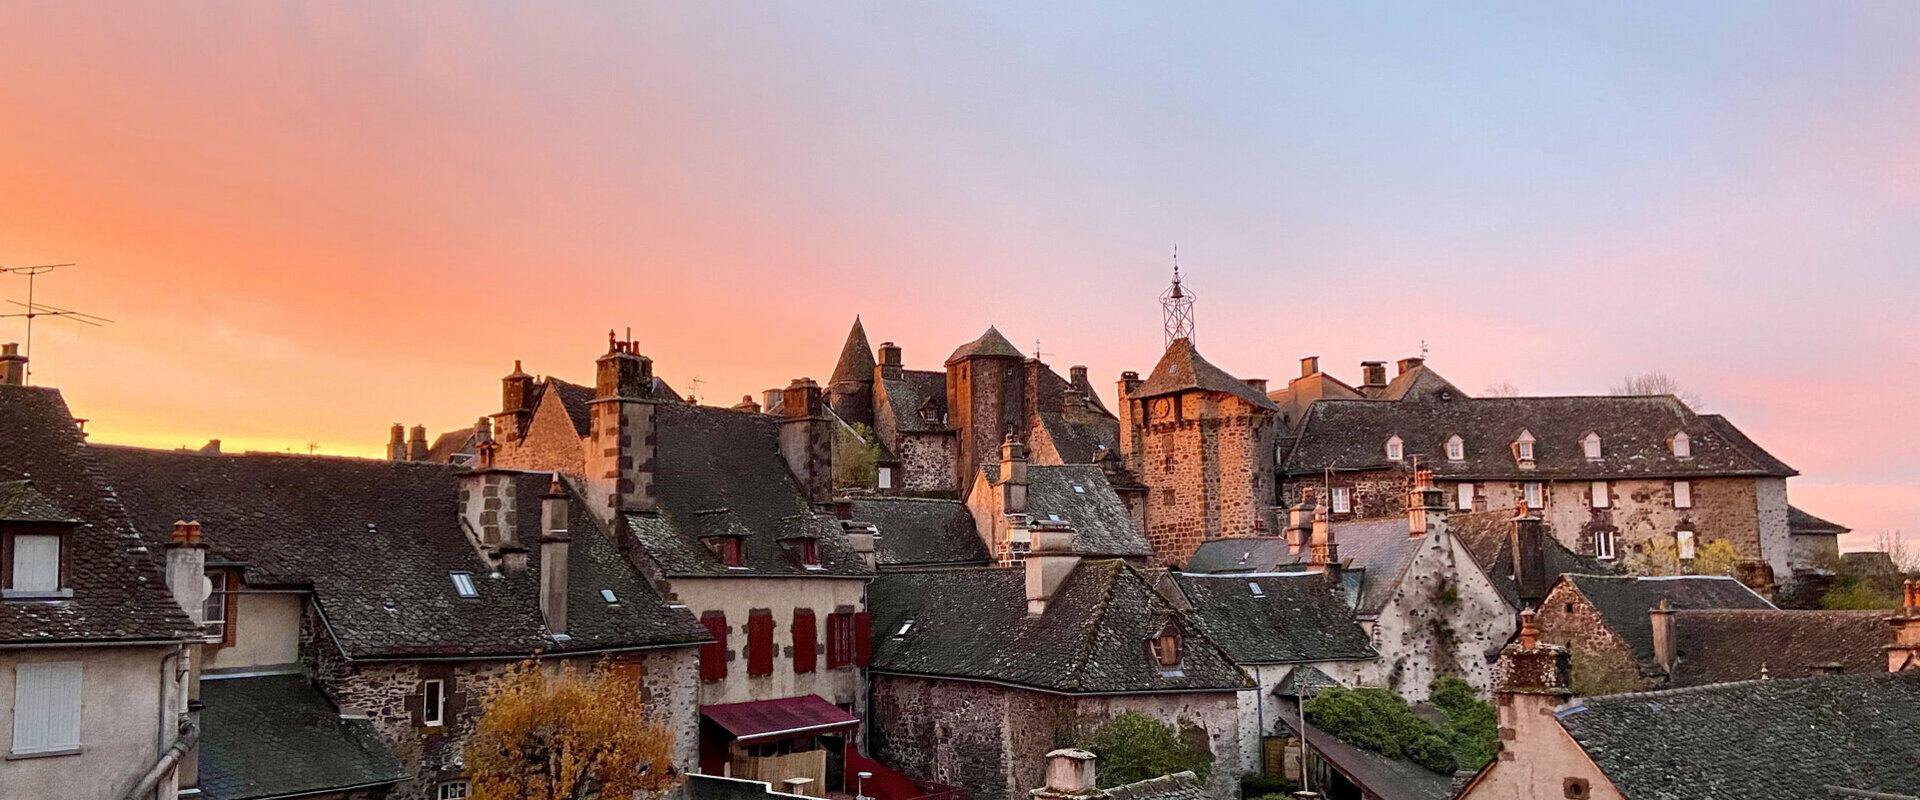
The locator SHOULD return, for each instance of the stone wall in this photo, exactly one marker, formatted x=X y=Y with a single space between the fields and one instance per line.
x=551 y=442
x=1443 y=618
x=926 y=462
x=1206 y=460
x=1258 y=718
x=986 y=400
x=1602 y=661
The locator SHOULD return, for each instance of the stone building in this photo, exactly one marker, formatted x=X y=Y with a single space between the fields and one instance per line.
x=95 y=654
x=1010 y=498
x=978 y=673
x=1606 y=624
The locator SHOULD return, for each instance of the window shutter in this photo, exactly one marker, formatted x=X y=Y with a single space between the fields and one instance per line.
x=36 y=562
x=1599 y=494
x=1682 y=494
x=1466 y=497
x=760 y=642
x=713 y=657
x=46 y=707
x=862 y=638
x=839 y=640
x=804 y=657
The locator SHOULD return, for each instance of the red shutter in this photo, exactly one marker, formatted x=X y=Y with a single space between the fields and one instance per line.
x=760 y=642
x=862 y=638
x=839 y=640
x=804 y=657
x=713 y=657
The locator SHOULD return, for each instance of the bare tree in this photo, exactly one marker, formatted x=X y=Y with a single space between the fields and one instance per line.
x=1648 y=384
x=1501 y=389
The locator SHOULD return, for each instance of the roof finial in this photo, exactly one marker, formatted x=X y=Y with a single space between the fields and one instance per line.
x=1176 y=304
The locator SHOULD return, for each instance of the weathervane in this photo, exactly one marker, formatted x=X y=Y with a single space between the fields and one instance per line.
x=1176 y=305
x=37 y=309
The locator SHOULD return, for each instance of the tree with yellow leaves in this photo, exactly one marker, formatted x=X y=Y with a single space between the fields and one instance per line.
x=549 y=733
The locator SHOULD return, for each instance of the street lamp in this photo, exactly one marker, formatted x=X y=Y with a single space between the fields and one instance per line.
x=860 y=787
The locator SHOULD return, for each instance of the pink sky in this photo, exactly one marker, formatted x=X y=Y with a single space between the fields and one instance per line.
x=311 y=222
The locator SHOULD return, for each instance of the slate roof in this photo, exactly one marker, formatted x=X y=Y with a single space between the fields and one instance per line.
x=118 y=595
x=990 y=344
x=1379 y=775
x=20 y=502
x=1775 y=738
x=915 y=390
x=856 y=362
x=719 y=472
x=1079 y=495
x=917 y=532
x=1420 y=383
x=449 y=444
x=1294 y=619
x=1310 y=678
x=1487 y=536
x=1177 y=786
x=1081 y=382
x=1181 y=369
x=1352 y=435
x=369 y=535
x=1801 y=523
x=276 y=735
x=973 y=624
x=1725 y=645
x=1247 y=554
x=1623 y=602
x=1078 y=441
x=575 y=399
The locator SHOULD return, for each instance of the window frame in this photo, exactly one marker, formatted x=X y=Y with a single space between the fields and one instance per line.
x=1680 y=444
x=1166 y=650
x=433 y=702
x=1590 y=446
x=1687 y=542
x=1342 y=499
x=229 y=594
x=840 y=644
x=463 y=585
x=1396 y=448
x=63 y=572
x=1456 y=448
x=1683 y=491
x=69 y=713
x=464 y=788
x=1604 y=545
x=1534 y=494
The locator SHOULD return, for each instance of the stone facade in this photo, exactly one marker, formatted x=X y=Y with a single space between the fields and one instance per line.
x=1603 y=663
x=1206 y=459
x=985 y=402
x=926 y=461
x=1443 y=618
x=550 y=442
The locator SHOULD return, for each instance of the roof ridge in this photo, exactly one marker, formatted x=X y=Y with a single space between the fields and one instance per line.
x=1728 y=685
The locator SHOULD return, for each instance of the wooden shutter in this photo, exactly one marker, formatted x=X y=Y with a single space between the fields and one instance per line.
x=804 y=635
x=713 y=657
x=46 y=707
x=36 y=562
x=760 y=642
x=839 y=640
x=862 y=638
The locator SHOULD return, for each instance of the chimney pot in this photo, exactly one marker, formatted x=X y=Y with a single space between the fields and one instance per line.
x=1048 y=563
x=1309 y=366
x=1373 y=374
x=746 y=404
x=13 y=366
x=397 y=442
x=890 y=367
x=417 y=443
x=1408 y=364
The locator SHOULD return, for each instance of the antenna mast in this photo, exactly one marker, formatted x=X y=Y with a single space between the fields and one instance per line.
x=1176 y=305
x=37 y=309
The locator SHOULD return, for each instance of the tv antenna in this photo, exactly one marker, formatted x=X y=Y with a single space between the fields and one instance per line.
x=37 y=309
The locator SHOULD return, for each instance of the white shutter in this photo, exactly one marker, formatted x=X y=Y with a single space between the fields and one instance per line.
x=1599 y=494
x=1682 y=494
x=1466 y=497
x=36 y=562
x=1686 y=544
x=46 y=707
x=886 y=478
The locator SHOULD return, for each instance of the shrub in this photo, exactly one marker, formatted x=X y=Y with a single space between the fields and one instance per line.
x=1379 y=720
x=1261 y=787
x=1476 y=726
x=1134 y=747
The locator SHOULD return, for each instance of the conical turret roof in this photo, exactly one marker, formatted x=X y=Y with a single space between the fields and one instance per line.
x=990 y=344
x=856 y=357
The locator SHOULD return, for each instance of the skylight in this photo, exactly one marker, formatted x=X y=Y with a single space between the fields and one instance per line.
x=904 y=627
x=1078 y=489
x=463 y=585
x=1053 y=517
x=1255 y=588
x=607 y=595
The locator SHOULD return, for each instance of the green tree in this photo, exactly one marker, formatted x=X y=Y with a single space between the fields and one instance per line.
x=1662 y=557
x=1476 y=726
x=1381 y=721
x=1133 y=747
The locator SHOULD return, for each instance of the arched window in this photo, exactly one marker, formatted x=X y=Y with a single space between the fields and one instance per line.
x=1395 y=450
x=1591 y=443
x=1681 y=444
x=1456 y=449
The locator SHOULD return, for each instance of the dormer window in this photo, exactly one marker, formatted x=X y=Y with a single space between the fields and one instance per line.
x=1456 y=449
x=730 y=550
x=1681 y=444
x=1591 y=444
x=35 y=560
x=809 y=550
x=1396 y=451
x=1167 y=647
x=1523 y=447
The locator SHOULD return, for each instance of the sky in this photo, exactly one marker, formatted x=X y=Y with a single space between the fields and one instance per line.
x=308 y=222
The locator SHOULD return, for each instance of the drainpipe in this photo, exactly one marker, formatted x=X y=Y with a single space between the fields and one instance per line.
x=189 y=734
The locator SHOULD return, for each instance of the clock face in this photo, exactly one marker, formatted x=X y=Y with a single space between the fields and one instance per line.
x=1162 y=407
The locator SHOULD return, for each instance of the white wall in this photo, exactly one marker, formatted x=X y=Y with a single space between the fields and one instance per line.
x=266 y=632
x=1258 y=719
x=737 y=596
x=1411 y=650
x=122 y=722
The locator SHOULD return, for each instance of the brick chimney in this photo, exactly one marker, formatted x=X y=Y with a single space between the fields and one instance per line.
x=1013 y=477
x=747 y=404
x=1070 y=776
x=1300 y=520
x=1048 y=564
x=890 y=367
x=417 y=443
x=13 y=366
x=1904 y=653
x=554 y=543
x=1527 y=541
x=1409 y=364
x=1309 y=366
x=397 y=443
x=1538 y=677
x=806 y=439
x=487 y=496
x=1660 y=618
x=187 y=570
x=1426 y=506
x=1257 y=384
x=622 y=444
x=1373 y=374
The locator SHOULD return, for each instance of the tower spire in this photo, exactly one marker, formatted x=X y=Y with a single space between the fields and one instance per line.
x=1176 y=305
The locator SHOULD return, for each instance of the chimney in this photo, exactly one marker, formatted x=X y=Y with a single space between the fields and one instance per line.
x=1258 y=385
x=1529 y=547
x=1373 y=374
x=1325 y=553
x=1408 y=364
x=1013 y=477
x=1309 y=366
x=487 y=496
x=806 y=439
x=1300 y=520
x=187 y=570
x=1131 y=431
x=1660 y=618
x=1129 y=381
x=516 y=402
x=771 y=403
x=864 y=539
x=1049 y=562
x=1077 y=375
x=1904 y=653
x=746 y=404
x=1070 y=775
x=1534 y=668
x=554 y=543
x=212 y=447
x=622 y=444
x=13 y=366
x=397 y=443
x=890 y=368
x=417 y=443
x=1426 y=505
x=1827 y=668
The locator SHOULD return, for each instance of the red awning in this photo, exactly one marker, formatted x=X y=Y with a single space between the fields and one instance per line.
x=773 y=720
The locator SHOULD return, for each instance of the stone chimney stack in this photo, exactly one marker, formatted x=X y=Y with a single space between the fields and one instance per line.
x=1257 y=384
x=622 y=444
x=1300 y=520
x=890 y=366
x=13 y=366
x=806 y=439
x=1049 y=562
x=1660 y=618
x=771 y=400
x=1309 y=366
x=1013 y=476
x=1538 y=677
x=1426 y=506
x=1129 y=411
x=554 y=543
x=1325 y=553
x=397 y=443
x=864 y=539
x=1904 y=653
x=1077 y=375
x=747 y=405
x=1410 y=364
x=1528 y=543
x=1070 y=776
x=417 y=443
x=1373 y=374
x=487 y=496
x=187 y=570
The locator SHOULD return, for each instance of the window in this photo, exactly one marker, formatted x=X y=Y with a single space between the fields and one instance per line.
x=1166 y=650
x=453 y=790
x=1591 y=443
x=1466 y=497
x=433 y=703
x=1078 y=489
x=215 y=609
x=1600 y=494
x=805 y=641
x=34 y=570
x=904 y=628
x=885 y=480
x=1535 y=497
x=1342 y=500
x=1685 y=539
x=1682 y=494
x=730 y=549
x=713 y=655
x=1255 y=588
x=463 y=585
x=1682 y=445
x=1603 y=545
x=1395 y=450
x=1523 y=446
x=760 y=642
x=810 y=553
x=1456 y=449
x=46 y=707
x=840 y=640
x=608 y=595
